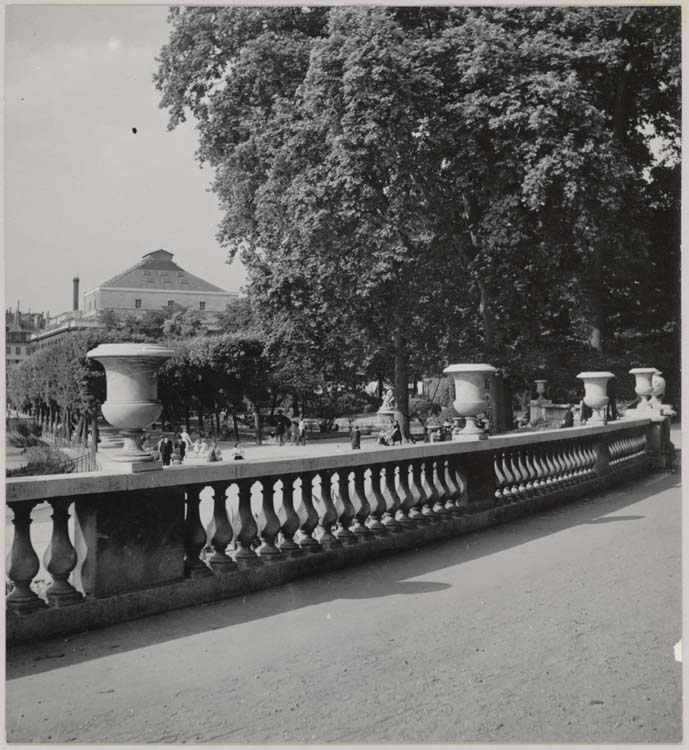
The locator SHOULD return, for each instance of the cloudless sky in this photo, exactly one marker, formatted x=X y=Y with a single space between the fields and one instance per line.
x=84 y=195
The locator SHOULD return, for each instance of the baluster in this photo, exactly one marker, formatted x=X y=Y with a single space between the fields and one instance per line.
x=408 y=500
x=550 y=469
x=540 y=482
x=268 y=534
x=194 y=537
x=419 y=512
x=390 y=517
x=441 y=468
x=306 y=540
x=459 y=473
x=24 y=563
x=60 y=557
x=508 y=490
x=245 y=555
x=453 y=482
x=220 y=531
x=564 y=453
x=500 y=480
x=375 y=522
x=437 y=493
x=426 y=482
x=291 y=525
x=579 y=461
x=559 y=468
x=517 y=489
x=329 y=517
x=342 y=533
x=528 y=484
x=360 y=529
x=533 y=471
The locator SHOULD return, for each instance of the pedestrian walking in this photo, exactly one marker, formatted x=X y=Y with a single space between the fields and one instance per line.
x=355 y=438
x=280 y=430
x=181 y=447
x=214 y=453
x=302 y=432
x=165 y=448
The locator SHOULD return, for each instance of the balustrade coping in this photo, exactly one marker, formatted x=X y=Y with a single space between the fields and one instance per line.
x=68 y=485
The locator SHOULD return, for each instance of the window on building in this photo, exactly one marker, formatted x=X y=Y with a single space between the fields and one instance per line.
x=202 y=305
x=89 y=305
x=170 y=303
x=9 y=350
x=17 y=350
x=137 y=304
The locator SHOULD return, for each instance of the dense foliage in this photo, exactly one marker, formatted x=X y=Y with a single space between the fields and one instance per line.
x=412 y=186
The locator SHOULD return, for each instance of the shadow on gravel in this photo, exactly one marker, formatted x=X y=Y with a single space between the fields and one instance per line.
x=387 y=576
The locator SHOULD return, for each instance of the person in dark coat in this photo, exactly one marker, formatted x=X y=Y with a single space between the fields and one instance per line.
x=568 y=419
x=180 y=445
x=355 y=438
x=165 y=447
x=396 y=433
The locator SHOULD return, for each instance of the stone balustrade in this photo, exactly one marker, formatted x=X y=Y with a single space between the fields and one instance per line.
x=139 y=545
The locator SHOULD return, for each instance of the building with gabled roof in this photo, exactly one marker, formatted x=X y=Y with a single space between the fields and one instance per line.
x=156 y=281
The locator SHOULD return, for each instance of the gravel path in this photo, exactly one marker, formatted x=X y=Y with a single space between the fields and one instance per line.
x=556 y=628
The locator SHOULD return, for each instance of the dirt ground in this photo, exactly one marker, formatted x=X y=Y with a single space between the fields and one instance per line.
x=556 y=628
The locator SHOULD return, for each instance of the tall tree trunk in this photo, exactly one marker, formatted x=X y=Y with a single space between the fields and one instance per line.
x=402 y=385
x=235 y=427
x=200 y=417
x=257 y=426
x=295 y=404
x=598 y=305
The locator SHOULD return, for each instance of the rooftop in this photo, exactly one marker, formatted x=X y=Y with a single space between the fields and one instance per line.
x=157 y=270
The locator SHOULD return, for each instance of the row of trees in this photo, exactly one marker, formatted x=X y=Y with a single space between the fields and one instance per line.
x=213 y=373
x=413 y=186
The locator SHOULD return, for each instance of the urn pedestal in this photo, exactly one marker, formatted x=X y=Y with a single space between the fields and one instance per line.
x=595 y=393
x=131 y=372
x=470 y=400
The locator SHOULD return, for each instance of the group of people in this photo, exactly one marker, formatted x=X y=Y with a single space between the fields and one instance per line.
x=391 y=436
x=293 y=430
x=180 y=446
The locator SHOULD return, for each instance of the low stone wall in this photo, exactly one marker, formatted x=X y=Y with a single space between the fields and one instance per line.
x=139 y=546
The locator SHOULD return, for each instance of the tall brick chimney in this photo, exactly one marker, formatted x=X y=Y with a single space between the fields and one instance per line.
x=75 y=296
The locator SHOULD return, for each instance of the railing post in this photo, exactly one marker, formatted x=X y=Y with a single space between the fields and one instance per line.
x=268 y=551
x=24 y=563
x=194 y=536
x=329 y=516
x=306 y=540
x=60 y=557
x=343 y=532
x=220 y=532
x=291 y=525
x=244 y=554
x=390 y=517
x=407 y=504
x=360 y=529
x=375 y=518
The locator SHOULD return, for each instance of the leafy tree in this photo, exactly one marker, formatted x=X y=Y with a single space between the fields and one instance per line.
x=400 y=182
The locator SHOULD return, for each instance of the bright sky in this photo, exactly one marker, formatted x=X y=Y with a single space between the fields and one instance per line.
x=84 y=194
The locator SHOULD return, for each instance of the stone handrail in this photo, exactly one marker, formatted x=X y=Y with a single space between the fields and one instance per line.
x=140 y=547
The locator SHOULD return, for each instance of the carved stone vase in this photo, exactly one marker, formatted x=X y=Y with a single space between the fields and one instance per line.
x=470 y=400
x=644 y=386
x=595 y=393
x=131 y=373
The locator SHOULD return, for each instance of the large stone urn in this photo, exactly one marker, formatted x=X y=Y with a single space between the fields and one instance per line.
x=644 y=386
x=540 y=387
x=131 y=372
x=596 y=393
x=470 y=400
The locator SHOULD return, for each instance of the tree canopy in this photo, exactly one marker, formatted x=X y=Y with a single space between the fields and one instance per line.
x=410 y=185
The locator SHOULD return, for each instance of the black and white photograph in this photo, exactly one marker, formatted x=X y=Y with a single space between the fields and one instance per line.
x=409 y=277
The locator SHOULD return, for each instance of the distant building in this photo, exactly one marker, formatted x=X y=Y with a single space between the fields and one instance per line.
x=64 y=324
x=19 y=328
x=154 y=282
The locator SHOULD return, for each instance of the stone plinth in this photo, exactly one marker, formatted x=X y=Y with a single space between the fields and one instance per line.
x=128 y=541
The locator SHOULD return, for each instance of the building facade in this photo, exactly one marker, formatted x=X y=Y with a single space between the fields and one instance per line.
x=154 y=283
x=19 y=329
